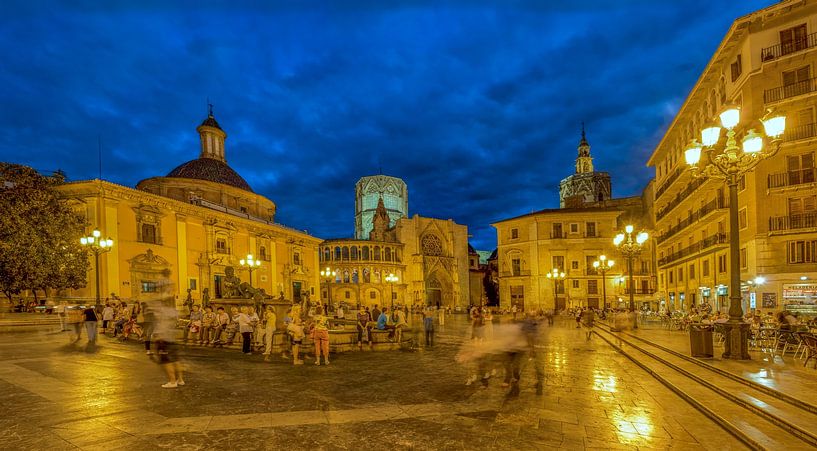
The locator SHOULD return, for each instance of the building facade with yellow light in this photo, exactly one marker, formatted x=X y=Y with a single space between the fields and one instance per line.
x=199 y=222
x=569 y=240
x=765 y=62
x=404 y=261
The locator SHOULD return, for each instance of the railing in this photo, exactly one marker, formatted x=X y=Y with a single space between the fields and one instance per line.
x=668 y=182
x=680 y=197
x=791 y=178
x=718 y=238
x=515 y=273
x=800 y=132
x=557 y=235
x=792 y=222
x=591 y=272
x=640 y=291
x=786 y=91
x=713 y=205
x=787 y=48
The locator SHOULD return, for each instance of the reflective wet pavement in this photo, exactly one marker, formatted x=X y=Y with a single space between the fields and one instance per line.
x=58 y=396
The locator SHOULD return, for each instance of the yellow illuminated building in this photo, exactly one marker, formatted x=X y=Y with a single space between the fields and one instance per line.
x=570 y=239
x=428 y=258
x=765 y=61
x=196 y=222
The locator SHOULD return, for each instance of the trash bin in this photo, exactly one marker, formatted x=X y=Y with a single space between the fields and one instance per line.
x=700 y=340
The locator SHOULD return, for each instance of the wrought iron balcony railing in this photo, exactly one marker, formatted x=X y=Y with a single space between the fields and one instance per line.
x=792 y=222
x=669 y=181
x=787 y=91
x=792 y=178
x=713 y=205
x=804 y=131
x=718 y=238
x=680 y=197
x=787 y=48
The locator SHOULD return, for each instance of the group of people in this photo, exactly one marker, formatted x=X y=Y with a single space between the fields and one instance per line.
x=503 y=346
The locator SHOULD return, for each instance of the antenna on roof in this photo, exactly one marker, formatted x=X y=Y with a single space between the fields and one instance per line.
x=209 y=107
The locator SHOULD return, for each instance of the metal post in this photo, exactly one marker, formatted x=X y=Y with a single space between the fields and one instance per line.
x=736 y=343
x=250 y=268
x=632 y=287
x=603 y=289
x=96 y=270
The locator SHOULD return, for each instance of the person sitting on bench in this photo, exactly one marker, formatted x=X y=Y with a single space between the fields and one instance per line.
x=383 y=322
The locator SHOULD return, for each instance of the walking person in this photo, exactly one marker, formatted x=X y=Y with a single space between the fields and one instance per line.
x=61 y=313
x=90 y=319
x=321 y=336
x=74 y=317
x=245 y=329
x=428 y=326
x=166 y=317
x=295 y=330
x=588 y=319
x=257 y=330
x=441 y=312
x=148 y=325
x=270 y=320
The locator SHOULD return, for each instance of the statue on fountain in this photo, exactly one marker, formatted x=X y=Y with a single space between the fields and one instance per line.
x=234 y=288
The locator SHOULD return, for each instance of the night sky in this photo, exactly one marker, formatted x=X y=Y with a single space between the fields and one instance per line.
x=476 y=105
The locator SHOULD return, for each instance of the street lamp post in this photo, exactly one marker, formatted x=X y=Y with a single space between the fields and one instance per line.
x=630 y=248
x=555 y=275
x=251 y=264
x=729 y=163
x=328 y=274
x=98 y=246
x=603 y=265
x=391 y=279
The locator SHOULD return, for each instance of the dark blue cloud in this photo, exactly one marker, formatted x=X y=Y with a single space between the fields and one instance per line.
x=476 y=104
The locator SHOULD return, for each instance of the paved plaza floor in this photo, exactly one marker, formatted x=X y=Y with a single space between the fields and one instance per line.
x=58 y=396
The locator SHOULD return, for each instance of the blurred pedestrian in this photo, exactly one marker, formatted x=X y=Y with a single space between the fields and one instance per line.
x=74 y=317
x=245 y=327
x=165 y=330
x=107 y=316
x=270 y=320
x=148 y=324
x=588 y=319
x=428 y=326
x=61 y=313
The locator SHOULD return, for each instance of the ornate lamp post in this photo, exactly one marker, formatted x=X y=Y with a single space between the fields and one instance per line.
x=98 y=246
x=391 y=279
x=555 y=275
x=630 y=248
x=603 y=265
x=729 y=162
x=328 y=274
x=251 y=264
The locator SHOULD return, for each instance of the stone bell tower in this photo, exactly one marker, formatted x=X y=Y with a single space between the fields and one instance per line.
x=586 y=187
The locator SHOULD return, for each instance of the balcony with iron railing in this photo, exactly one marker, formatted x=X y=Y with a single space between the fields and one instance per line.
x=784 y=92
x=713 y=205
x=680 y=197
x=787 y=48
x=640 y=291
x=558 y=235
x=519 y=273
x=804 y=131
x=669 y=181
x=792 y=178
x=712 y=240
x=793 y=223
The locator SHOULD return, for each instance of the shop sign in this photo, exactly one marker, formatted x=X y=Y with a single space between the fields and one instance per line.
x=799 y=291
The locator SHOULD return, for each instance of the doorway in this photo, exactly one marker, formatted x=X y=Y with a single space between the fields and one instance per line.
x=435 y=297
x=296 y=292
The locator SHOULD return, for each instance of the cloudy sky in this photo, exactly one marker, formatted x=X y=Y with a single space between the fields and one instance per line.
x=477 y=105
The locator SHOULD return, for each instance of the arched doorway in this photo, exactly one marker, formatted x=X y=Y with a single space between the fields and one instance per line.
x=434 y=292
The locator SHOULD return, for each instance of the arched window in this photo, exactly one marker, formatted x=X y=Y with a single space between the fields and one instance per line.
x=367 y=274
x=376 y=276
x=355 y=278
x=346 y=276
x=354 y=253
x=345 y=253
x=388 y=254
x=365 y=252
x=377 y=253
x=337 y=253
x=338 y=275
x=262 y=252
x=327 y=254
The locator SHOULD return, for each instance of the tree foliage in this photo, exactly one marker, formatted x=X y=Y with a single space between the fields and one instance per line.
x=39 y=234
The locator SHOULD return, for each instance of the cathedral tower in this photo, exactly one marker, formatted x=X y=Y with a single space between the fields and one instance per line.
x=212 y=138
x=586 y=187
x=371 y=190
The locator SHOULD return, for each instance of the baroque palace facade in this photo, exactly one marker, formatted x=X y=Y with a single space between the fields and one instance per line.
x=428 y=256
x=197 y=221
x=765 y=61
x=570 y=239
